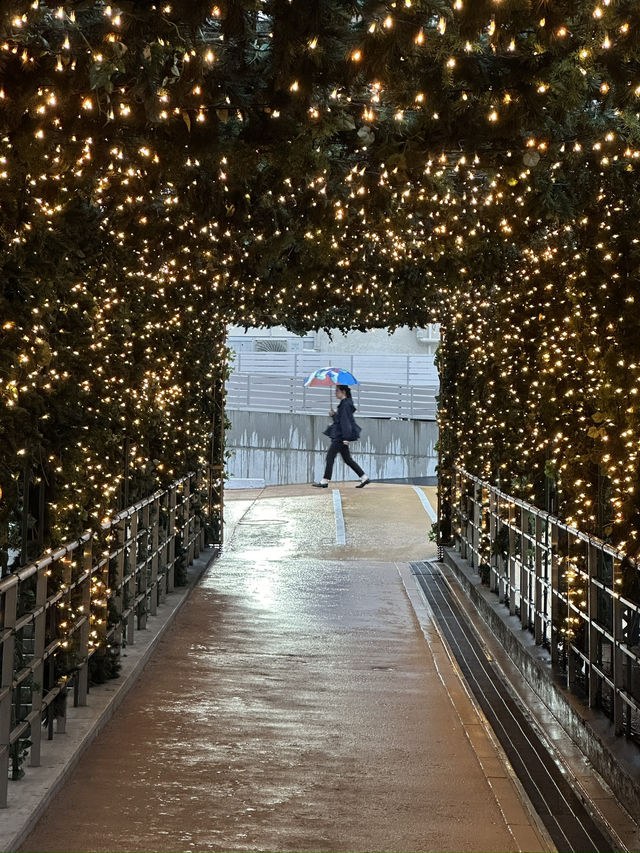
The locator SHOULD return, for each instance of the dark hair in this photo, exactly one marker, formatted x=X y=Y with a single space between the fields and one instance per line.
x=345 y=390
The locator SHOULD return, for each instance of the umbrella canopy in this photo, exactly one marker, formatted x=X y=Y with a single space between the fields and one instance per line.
x=326 y=377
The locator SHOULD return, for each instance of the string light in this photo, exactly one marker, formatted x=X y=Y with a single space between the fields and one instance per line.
x=344 y=202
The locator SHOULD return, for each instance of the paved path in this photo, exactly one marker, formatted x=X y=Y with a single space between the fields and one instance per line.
x=298 y=703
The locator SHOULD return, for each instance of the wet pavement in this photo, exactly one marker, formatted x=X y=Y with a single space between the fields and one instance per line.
x=301 y=700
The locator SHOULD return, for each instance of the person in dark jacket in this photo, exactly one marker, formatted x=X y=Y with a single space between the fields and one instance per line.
x=343 y=430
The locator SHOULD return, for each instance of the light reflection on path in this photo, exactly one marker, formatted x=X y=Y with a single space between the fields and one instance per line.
x=292 y=705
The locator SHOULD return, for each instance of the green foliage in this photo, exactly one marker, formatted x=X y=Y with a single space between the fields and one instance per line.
x=318 y=164
x=500 y=545
x=104 y=664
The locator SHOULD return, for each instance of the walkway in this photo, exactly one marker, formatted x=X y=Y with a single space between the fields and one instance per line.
x=302 y=700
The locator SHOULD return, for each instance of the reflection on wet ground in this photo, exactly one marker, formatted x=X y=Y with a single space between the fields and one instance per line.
x=294 y=704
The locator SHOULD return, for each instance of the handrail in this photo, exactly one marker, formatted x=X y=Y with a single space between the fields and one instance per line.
x=273 y=393
x=87 y=595
x=567 y=587
x=585 y=537
x=417 y=369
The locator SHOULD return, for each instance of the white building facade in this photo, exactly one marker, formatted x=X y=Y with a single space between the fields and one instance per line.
x=405 y=340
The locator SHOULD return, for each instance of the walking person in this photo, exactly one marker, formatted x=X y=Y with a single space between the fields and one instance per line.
x=343 y=430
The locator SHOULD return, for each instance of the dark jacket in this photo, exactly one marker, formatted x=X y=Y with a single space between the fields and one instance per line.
x=344 y=427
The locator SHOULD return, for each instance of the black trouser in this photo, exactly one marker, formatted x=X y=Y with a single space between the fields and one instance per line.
x=343 y=449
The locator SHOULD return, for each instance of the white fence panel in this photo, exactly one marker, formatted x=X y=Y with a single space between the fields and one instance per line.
x=274 y=393
x=379 y=369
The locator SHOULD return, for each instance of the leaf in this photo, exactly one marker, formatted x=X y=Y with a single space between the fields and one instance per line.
x=187 y=120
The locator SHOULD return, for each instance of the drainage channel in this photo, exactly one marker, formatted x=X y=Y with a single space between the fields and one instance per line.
x=566 y=818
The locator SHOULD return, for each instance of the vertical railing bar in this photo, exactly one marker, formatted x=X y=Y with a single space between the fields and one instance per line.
x=132 y=571
x=555 y=591
x=524 y=604
x=9 y=612
x=82 y=686
x=511 y=584
x=37 y=686
x=190 y=522
x=538 y=605
x=618 y=657
x=592 y=610
x=493 y=532
x=171 y=540
x=142 y=568
x=155 y=545
x=119 y=598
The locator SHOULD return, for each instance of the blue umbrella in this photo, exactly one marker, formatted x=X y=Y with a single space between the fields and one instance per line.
x=325 y=377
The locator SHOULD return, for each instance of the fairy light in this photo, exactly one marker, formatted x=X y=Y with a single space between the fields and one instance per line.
x=384 y=247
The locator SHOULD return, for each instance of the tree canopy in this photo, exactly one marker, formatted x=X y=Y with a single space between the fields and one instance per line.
x=167 y=168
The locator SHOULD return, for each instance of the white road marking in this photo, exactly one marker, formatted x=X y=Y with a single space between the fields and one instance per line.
x=341 y=537
x=425 y=503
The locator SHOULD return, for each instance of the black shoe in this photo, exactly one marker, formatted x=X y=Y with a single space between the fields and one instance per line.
x=362 y=483
x=320 y=485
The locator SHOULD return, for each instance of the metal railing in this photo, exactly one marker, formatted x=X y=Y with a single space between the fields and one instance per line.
x=387 y=369
x=574 y=592
x=272 y=393
x=89 y=595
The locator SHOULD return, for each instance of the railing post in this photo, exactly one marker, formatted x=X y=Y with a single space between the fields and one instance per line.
x=40 y=627
x=292 y=395
x=187 y=522
x=143 y=570
x=524 y=586
x=571 y=667
x=171 y=540
x=119 y=597
x=493 y=530
x=512 y=561
x=9 y=609
x=163 y=550
x=85 y=628
x=477 y=525
x=132 y=571
x=502 y=562
x=155 y=544
x=555 y=591
x=592 y=610
x=195 y=494
x=618 y=657
x=538 y=598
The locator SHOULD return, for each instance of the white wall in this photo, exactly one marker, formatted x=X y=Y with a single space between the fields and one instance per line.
x=285 y=449
x=261 y=332
x=403 y=340
x=379 y=341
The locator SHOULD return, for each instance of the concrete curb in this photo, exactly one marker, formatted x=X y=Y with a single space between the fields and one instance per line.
x=616 y=760
x=29 y=797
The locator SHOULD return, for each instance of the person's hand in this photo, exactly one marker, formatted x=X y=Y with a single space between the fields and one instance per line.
x=345 y=442
x=331 y=413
